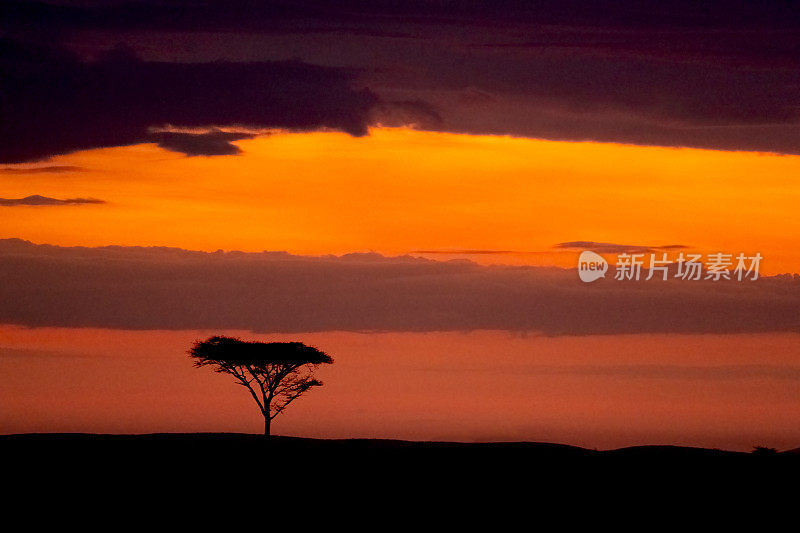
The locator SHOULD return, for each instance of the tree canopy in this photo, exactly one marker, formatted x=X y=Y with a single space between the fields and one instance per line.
x=275 y=373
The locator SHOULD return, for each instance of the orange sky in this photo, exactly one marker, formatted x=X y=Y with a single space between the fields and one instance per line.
x=727 y=391
x=508 y=137
x=394 y=192
x=399 y=190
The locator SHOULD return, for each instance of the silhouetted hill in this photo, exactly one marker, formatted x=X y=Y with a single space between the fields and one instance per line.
x=169 y=441
x=671 y=452
x=203 y=442
x=185 y=447
x=222 y=457
x=164 y=467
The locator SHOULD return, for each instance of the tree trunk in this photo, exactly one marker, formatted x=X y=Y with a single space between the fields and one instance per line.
x=266 y=426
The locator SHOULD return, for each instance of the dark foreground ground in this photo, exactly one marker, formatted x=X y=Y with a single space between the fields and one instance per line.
x=222 y=479
x=230 y=453
x=175 y=446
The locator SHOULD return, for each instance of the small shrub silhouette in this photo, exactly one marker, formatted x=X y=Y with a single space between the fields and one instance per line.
x=764 y=450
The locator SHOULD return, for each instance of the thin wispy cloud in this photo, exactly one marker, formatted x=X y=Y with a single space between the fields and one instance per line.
x=51 y=169
x=464 y=252
x=614 y=248
x=214 y=142
x=37 y=201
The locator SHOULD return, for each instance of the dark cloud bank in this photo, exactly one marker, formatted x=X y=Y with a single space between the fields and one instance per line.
x=54 y=103
x=167 y=288
x=720 y=74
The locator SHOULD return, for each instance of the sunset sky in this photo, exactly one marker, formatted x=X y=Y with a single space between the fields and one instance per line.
x=408 y=188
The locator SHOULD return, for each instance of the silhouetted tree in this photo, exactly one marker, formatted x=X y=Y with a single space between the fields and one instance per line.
x=275 y=373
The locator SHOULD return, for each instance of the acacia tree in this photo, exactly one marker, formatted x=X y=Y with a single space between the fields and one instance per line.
x=275 y=373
